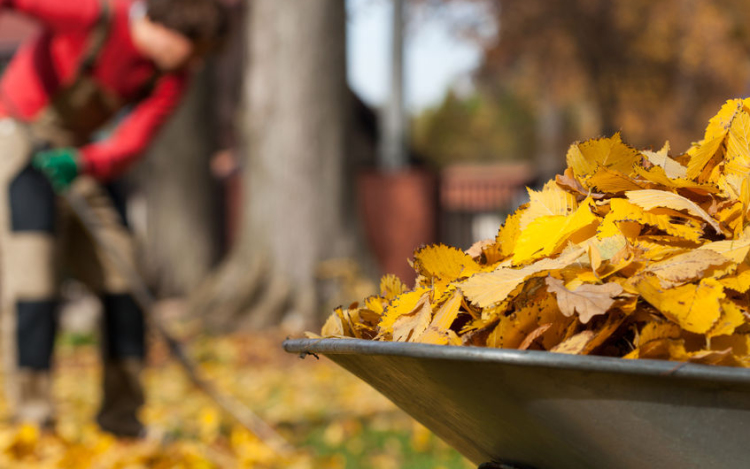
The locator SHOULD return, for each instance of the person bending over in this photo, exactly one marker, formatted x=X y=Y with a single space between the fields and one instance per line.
x=94 y=60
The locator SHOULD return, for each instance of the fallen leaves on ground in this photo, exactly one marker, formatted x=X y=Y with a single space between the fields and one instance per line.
x=363 y=429
x=629 y=253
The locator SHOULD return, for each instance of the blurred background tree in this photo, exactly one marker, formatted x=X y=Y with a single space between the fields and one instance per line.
x=476 y=128
x=654 y=70
x=293 y=157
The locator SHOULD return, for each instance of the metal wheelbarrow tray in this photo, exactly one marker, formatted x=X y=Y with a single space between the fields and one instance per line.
x=550 y=411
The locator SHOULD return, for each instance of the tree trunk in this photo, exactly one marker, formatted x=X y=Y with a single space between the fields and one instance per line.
x=549 y=160
x=295 y=99
x=180 y=198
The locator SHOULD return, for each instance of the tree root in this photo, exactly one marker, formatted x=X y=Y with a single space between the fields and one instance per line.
x=228 y=292
x=244 y=293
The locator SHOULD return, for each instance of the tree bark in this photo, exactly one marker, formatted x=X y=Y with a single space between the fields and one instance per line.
x=549 y=160
x=180 y=197
x=295 y=192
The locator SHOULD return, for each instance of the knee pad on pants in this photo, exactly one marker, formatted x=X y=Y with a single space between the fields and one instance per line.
x=36 y=327
x=32 y=202
x=124 y=327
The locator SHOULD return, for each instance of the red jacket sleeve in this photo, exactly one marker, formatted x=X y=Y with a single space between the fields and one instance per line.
x=108 y=159
x=59 y=15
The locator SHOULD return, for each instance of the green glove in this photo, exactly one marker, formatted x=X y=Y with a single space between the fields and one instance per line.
x=60 y=166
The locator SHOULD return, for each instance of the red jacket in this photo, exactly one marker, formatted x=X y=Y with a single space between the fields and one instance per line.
x=120 y=69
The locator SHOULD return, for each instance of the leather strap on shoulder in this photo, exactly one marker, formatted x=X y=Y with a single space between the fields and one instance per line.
x=97 y=39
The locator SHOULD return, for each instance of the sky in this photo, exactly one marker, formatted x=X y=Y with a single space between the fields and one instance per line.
x=436 y=59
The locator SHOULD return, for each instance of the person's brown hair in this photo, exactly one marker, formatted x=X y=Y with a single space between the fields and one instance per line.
x=205 y=22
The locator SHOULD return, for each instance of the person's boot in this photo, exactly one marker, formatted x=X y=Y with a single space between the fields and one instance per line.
x=123 y=396
x=34 y=398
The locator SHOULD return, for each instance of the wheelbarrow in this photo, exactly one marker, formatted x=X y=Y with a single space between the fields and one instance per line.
x=542 y=410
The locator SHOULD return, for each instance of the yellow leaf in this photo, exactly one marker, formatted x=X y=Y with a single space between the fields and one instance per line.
x=719 y=125
x=696 y=308
x=649 y=199
x=717 y=129
x=438 y=337
x=568 y=181
x=404 y=304
x=490 y=289
x=739 y=343
x=656 y=248
x=334 y=326
x=391 y=287
x=595 y=255
x=447 y=312
x=734 y=250
x=732 y=317
x=739 y=282
x=671 y=168
x=509 y=233
x=737 y=160
x=686 y=267
x=622 y=210
x=362 y=322
x=534 y=335
x=731 y=216
x=586 y=158
x=658 y=330
x=376 y=304
x=611 y=181
x=658 y=175
x=551 y=200
x=701 y=155
x=439 y=265
x=609 y=246
x=514 y=328
x=538 y=239
x=410 y=326
x=546 y=236
x=713 y=357
x=611 y=325
x=576 y=344
x=478 y=248
x=660 y=349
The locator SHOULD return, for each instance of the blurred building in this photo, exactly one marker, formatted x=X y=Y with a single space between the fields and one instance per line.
x=475 y=198
x=13 y=30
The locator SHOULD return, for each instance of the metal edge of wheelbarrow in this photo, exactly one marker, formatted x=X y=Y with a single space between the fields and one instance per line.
x=547 y=410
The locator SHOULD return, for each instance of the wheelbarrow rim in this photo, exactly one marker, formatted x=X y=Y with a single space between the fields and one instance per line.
x=525 y=358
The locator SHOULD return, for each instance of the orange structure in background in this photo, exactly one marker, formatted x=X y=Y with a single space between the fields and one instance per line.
x=14 y=29
x=474 y=199
x=399 y=211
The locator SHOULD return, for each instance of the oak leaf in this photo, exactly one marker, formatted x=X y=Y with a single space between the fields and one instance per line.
x=587 y=300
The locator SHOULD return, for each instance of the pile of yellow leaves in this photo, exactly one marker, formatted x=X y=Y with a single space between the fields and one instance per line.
x=629 y=253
